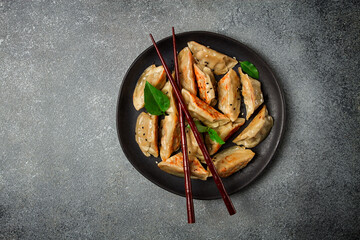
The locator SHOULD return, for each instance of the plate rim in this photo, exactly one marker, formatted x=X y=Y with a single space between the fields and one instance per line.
x=259 y=58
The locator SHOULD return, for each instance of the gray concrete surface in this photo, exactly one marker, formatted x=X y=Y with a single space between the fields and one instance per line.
x=63 y=174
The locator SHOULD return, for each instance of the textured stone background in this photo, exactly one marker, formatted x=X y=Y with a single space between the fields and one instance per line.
x=63 y=174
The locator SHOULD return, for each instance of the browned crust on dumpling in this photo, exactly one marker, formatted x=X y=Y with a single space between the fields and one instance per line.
x=202 y=111
x=174 y=166
x=232 y=160
x=251 y=91
x=205 y=85
x=186 y=71
x=229 y=95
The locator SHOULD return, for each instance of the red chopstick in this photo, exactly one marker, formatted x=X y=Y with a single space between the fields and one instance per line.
x=217 y=179
x=188 y=191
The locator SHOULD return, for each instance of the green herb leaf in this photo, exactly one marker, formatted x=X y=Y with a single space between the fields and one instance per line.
x=201 y=128
x=212 y=133
x=250 y=69
x=214 y=136
x=156 y=102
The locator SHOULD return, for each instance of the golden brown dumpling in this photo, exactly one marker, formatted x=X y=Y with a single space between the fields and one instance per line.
x=232 y=160
x=206 y=57
x=202 y=111
x=156 y=76
x=193 y=146
x=256 y=131
x=251 y=91
x=174 y=166
x=186 y=71
x=170 y=136
x=146 y=134
x=205 y=81
x=229 y=95
x=168 y=91
x=224 y=133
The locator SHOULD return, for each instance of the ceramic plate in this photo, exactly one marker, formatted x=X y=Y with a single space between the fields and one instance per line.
x=127 y=115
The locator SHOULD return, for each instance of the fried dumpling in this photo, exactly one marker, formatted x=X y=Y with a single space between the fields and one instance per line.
x=232 y=160
x=206 y=57
x=168 y=91
x=205 y=81
x=170 y=136
x=256 y=131
x=156 y=76
x=192 y=145
x=174 y=166
x=229 y=95
x=202 y=111
x=224 y=133
x=186 y=70
x=251 y=91
x=146 y=134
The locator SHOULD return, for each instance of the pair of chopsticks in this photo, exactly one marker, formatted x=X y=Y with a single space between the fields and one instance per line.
x=183 y=111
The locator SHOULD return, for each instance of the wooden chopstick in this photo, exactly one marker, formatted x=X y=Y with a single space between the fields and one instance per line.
x=188 y=190
x=217 y=179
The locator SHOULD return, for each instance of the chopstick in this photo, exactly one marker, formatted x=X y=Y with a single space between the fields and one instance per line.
x=217 y=179
x=188 y=191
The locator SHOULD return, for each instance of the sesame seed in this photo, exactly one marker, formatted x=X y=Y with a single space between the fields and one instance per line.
x=145 y=139
x=234 y=108
x=230 y=104
x=143 y=134
x=207 y=91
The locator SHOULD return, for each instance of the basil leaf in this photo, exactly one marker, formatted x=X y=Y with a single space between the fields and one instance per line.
x=250 y=69
x=212 y=133
x=201 y=128
x=214 y=136
x=156 y=102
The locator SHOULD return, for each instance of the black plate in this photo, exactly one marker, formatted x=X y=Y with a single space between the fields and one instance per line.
x=127 y=115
